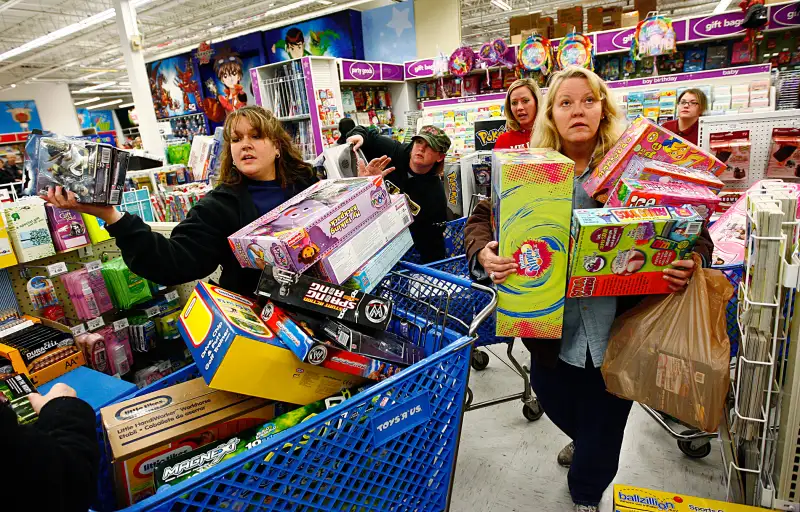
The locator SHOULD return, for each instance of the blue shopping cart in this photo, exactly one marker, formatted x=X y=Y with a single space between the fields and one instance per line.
x=392 y=447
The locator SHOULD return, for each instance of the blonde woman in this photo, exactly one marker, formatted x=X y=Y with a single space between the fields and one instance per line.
x=522 y=102
x=579 y=120
x=260 y=169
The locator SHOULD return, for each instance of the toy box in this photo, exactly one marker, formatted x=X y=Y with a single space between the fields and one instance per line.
x=235 y=351
x=187 y=416
x=368 y=275
x=784 y=156
x=636 y=499
x=120 y=172
x=640 y=194
x=28 y=231
x=732 y=148
x=623 y=251
x=96 y=227
x=318 y=296
x=644 y=169
x=648 y=140
x=85 y=168
x=306 y=228
x=382 y=345
x=14 y=391
x=343 y=261
x=67 y=228
x=7 y=256
x=532 y=208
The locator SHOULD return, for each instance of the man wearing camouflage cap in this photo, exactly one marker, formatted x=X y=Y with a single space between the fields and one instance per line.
x=415 y=169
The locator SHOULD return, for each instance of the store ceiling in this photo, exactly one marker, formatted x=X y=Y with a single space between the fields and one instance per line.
x=91 y=56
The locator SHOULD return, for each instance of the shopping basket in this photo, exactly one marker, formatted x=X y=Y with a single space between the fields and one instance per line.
x=392 y=447
x=453 y=241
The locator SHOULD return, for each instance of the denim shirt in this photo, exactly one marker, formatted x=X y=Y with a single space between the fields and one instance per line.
x=587 y=322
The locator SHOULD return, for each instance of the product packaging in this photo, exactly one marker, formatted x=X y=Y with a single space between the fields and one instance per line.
x=126 y=288
x=88 y=293
x=96 y=228
x=7 y=256
x=94 y=351
x=14 y=391
x=644 y=169
x=623 y=251
x=118 y=347
x=784 y=156
x=343 y=261
x=152 y=373
x=188 y=415
x=368 y=275
x=732 y=148
x=120 y=172
x=452 y=187
x=43 y=350
x=531 y=224
x=301 y=231
x=382 y=345
x=85 y=168
x=640 y=194
x=638 y=499
x=28 y=230
x=648 y=140
x=67 y=228
x=235 y=351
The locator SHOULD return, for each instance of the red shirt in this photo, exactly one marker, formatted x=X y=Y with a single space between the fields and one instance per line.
x=690 y=134
x=516 y=139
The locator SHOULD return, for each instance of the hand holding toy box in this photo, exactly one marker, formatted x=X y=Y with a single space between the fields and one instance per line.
x=640 y=194
x=304 y=229
x=623 y=251
x=646 y=139
x=644 y=169
x=532 y=208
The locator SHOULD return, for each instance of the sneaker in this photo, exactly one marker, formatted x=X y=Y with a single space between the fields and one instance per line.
x=585 y=508
x=565 y=455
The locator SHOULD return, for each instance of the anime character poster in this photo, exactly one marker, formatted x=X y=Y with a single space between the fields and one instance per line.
x=174 y=86
x=225 y=75
x=338 y=35
x=19 y=116
x=100 y=120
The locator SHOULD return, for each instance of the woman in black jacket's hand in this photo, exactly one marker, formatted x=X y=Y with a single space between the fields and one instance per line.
x=260 y=169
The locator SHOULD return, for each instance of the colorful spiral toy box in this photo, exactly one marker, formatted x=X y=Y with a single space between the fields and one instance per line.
x=532 y=208
x=622 y=251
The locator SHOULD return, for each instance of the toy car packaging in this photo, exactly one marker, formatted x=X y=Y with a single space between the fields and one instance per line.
x=645 y=138
x=623 y=251
x=644 y=169
x=733 y=148
x=286 y=287
x=784 y=156
x=635 y=193
x=301 y=231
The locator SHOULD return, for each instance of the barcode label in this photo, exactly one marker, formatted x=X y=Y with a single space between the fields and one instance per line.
x=94 y=265
x=78 y=330
x=105 y=156
x=153 y=311
x=57 y=269
x=95 y=323
x=172 y=296
x=121 y=324
x=114 y=197
x=693 y=228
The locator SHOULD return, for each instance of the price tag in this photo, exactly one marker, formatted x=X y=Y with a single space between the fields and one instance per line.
x=172 y=296
x=78 y=330
x=95 y=323
x=94 y=265
x=120 y=324
x=151 y=312
x=57 y=269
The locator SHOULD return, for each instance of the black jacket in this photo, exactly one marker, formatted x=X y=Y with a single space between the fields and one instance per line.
x=199 y=244
x=426 y=190
x=52 y=464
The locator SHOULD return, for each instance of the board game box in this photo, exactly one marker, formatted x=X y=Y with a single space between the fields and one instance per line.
x=641 y=194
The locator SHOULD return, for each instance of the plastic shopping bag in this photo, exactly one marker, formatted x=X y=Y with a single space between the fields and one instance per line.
x=672 y=352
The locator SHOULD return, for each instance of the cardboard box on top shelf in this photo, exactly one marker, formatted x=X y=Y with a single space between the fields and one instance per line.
x=644 y=7
x=563 y=29
x=516 y=39
x=546 y=27
x=517 y=24
x=571 y=15
x=630 y=19
x=603 y=18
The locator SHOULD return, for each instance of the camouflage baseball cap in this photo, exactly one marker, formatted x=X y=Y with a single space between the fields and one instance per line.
x=435 y=137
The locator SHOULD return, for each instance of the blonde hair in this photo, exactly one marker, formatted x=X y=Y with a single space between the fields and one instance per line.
x=701 y=98
x=511 y=122
x=545 y=134
x=289 y=167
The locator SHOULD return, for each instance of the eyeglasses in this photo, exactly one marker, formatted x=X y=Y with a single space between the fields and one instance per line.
x=685 y=103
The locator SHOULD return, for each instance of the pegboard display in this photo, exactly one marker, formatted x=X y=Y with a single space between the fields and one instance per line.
x=760 y=126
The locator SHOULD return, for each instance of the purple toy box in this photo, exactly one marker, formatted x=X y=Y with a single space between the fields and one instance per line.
x=309 y=226
x=67 y=228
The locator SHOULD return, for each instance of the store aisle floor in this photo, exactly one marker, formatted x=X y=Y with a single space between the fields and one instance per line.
x=506 y=464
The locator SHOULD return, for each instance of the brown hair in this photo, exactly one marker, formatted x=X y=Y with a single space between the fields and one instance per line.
x=228 y=63
x=289 y=168
x=511 y=121
x=701 y=98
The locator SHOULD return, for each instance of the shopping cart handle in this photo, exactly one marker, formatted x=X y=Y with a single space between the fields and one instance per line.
x=438 y=274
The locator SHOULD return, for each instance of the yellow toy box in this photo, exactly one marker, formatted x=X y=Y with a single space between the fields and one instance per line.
x=638 y=499
x=235 y=351
x=96 y=228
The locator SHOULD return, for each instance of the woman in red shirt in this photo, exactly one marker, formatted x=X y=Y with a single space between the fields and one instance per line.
x=522 y=103
x=692 y=104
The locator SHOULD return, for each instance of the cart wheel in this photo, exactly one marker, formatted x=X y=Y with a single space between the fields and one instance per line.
x=480 y=360
x=532 y=411
x=692 y=449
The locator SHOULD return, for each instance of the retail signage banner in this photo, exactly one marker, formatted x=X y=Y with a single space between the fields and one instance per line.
x=720 y=25
x=360 y=70
x=783 y=16
x=687 y=77
x=422 y=68
x=335 y=35
x=100 y=120
x=486 y=133
x=392 y=72
x=19 y=116
x=497 y=97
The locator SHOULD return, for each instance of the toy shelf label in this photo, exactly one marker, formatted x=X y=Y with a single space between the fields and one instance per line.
x=153 y=311
x=78 y=330
x=95 y=323
x=172 y=296
x=401 y=418
x=94 y=265
x=120 y=324
x=56 y=269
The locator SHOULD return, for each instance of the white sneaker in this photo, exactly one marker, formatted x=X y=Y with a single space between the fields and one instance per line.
x=585 y=508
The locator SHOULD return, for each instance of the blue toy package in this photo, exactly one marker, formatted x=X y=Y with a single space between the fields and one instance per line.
x=694 y=60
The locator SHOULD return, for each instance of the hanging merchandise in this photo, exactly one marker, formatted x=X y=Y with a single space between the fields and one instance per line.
x=536 y=54
x=575 y=50
x=41 y=292
x=88 y=293
x=654 y=36
x=125 y=287
x=461 y=61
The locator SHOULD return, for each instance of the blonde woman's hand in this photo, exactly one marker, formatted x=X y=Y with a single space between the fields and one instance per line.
x=498 y=268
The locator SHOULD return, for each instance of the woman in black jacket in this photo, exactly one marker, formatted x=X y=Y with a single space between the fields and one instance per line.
x=260 y=169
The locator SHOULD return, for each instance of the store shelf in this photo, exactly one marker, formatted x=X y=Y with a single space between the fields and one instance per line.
x=329 y=127
x=302 y=117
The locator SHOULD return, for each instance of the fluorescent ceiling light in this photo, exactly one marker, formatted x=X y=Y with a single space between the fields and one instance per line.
x=324 y=2
x=125 y=84
x=98 y=86
x=92 y=75
x=721 y=6
x=501 y=5
x=105 y=104
x=66 y=31
x=84 y=102
x=126 y=105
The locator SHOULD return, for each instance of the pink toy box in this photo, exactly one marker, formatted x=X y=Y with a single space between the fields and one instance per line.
x=646 y=139
x=644 y=169
x=67 y=228
x=309 y=226
x=641 y=194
